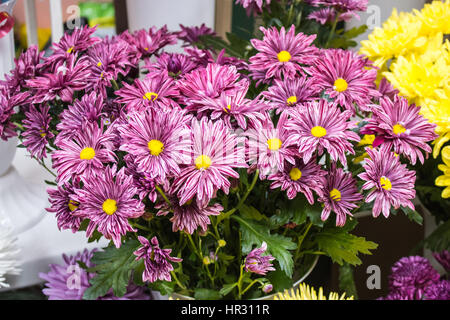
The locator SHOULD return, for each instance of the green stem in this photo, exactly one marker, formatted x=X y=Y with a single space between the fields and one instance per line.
x=239 y=283
x=161 y=192
x=137 y=225
x=18 y=125
x=332 y=31
x=42 y=163
x=249 y=286
x=177 y=281
x=301 y=238
x=195 y=247
x=115 y=85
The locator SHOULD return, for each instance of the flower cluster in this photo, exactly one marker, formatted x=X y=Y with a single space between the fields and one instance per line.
x=413 y=278
x=191 y=150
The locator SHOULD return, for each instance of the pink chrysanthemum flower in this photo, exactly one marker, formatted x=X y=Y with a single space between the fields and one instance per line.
x=37 y=132
x=281 y=54
x=390 y=182
x=340 y=195
x=107 y=200
x=70 y=77
x=26 y=67
x=235 y=110
x=288 y=93
x=253 y=7
x=300 y=177
x=63 y=206
x=209 y=82
x=72 y=119
x=443 y=258
x=321 y=126
x=203 y=57
x=155 y=91
x=328 y=15
x=189 y=217
x=270 y=147
x=84 y=155
x=191 y=35
x=344 y=76
x=387 y=90
x=146 y=186
x=158 y=141
x=149 y=42
x=7 y=105
x=400 y=126
x=257 y=263
x=215 y=152
x=343 y=5
x=157 y=261
x=175 y=64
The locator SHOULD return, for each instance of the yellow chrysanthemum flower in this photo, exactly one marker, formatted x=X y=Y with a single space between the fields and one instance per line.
x=435 y=17
x=444 y=180
x=305 y=292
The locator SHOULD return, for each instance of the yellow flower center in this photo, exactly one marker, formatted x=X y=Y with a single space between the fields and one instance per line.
x=155 y=147
x=99 y=64
x=70 y=50
x=146 y=49
x=87 y=154
x=295 y=174
x=228 y=107
x=150 y=96
x=292 y=100
x=202 y=162
x=340 y=85
x=319 y=131
x=335 y=194
x=274 y=144
x=385 y=183
x=398 y=128
x=109 y=206
x=73 y=205
x=284 y=56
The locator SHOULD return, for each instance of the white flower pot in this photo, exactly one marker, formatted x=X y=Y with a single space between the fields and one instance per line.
x=7 y=153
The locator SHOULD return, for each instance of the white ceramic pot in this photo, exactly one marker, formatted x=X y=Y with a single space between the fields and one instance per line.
x=7 y=153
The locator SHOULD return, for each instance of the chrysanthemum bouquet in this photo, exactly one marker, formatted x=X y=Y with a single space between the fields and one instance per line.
x=413 y=54
x=213 y=176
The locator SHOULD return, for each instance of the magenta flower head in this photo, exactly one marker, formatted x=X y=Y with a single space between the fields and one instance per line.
x=345 y=77
x=343 y=5
x=191 y=35
x=175 y=64
x=189 y=217
x=7 y=104
x=215 y=153
x=63 y=206
x=26 y=67
x=340 y=195
x=437 y=291
x=83 y=155
x=386 y=89
x=443 y=258
x=411 y=276
x=156 y=260
x=289 y=93
x=158 y=141
x=107 y=200
x=68 y=281
x=257 y=263
x=390 y=182
x=328 y=15
x=151 y=41
x=320 y=126
x=300 y=177
x=281 y=54
x=37 y=132
x=253 y=7
x=156 y=91
x=146 y=186
x=400 y=127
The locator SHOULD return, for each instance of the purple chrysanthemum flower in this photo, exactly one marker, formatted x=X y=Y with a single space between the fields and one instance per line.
x=84 y=155
x=63 y=206
x=300 y=177
x=340 y=195
x=235 y=110
x=157 y=91
x=107 y=200
x=149 y=42
x=69 y=77
x=191 y=35
x=156 y=260
x=203 y=57
x=68 y=281
x=345 y=77
x=399 y=125
x=411 y=275
x=288 y=93
x=257 y=263
x=175 y=64
x=253 y=6
x=387 y=90
x=215 y=152
x=321 y=126
x=342 y=5
x=189 y=217
x=146 y=186
x=392 y=184
x=7 y=105
x=395 y=296
x=210 y=82
x=37 y=132
x=159 y=142
x=328 y=15
x=437 y=291
x=281 y=53
x=443 y=258
x=270 y=147
x=72 y=119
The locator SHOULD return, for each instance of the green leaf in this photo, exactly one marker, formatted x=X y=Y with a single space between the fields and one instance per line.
x=207 y=294
x=163 y=287
x=227 y=289
x=356 y=31
x=413 y=215
x=439 y=240
x=280 y=280
x=255 y=233
x=347 y=280
x=250 y=212
x=296 y=210
x=113 y=267
x=342 y=247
